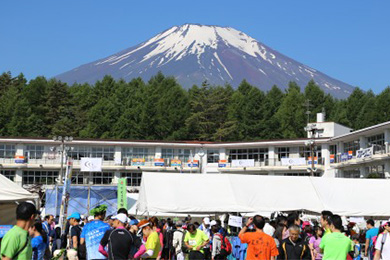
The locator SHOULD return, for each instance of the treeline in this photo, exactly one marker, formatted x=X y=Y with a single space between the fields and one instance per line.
x=163 y=110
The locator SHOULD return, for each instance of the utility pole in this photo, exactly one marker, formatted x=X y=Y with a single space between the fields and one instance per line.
x=63 y=150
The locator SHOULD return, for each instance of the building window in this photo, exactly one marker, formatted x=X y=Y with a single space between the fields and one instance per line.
x=34 y=151
x=129 y=153
x=79 y=178
x=333 y=149
x=352 y=146
x=212 y=156
x=8 y=174
x=133 y=178
x=353 y=173
x=377 y=141
x=258 y=154
x=316 y=174
x=7 y=151
x=305 y=151
x=102 y=177
x=283 y=152
x=78 y=152
x=40 y=177
x=107 y=153
x=177 y=154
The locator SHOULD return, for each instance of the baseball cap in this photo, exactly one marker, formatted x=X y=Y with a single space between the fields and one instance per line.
x=206 y=221
x=213 y=223
x=305 y=223
x=133 y=222
x=90 y=218
x=75 y=215
x=121 y=217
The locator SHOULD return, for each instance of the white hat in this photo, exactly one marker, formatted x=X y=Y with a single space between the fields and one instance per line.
x=206 y=221
x=213 y=223
x=121 y=217
x=90 y=218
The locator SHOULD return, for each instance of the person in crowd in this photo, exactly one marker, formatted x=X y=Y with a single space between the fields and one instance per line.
x=16 y=243
x=335 y=245
x=307 y=231
x=268 y=229
x=75 y=234
x=123 y=211
x=48 y=227
x=119 y=240
x=39 y=241
x=372 y=232
x=382 y=244
x=152 y=247
x=314 y=243
x=326 y=221
x=294 y=247
x=109 y=221
x=292 y=219
x=278 y=234
x=216 y=252
x=177 y=241
x=206 y=228
x=157 y=228
x=260 y=245
x=93 y=232
x=195 y=240
x=357 y=248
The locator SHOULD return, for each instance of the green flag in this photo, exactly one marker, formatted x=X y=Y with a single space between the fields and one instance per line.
x=122 y=193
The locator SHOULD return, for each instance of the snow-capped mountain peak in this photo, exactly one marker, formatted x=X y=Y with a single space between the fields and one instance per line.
x=194 y=53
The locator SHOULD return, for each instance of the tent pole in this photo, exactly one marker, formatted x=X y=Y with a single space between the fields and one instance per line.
x=89 y=193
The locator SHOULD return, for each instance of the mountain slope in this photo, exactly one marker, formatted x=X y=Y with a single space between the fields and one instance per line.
x=194 y=53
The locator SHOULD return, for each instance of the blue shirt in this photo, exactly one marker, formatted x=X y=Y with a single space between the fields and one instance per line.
x=39 y=248
x=93 y=233
x=371 y=233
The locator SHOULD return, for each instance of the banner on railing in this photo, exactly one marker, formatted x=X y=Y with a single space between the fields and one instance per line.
x=243 y=163
x=19 y=159
x=344 y=157
x=309 y=160
x=159 y=162
x=91 y=164
x=293 y=161
x=332 y=158
x=176 y=163
x=194 y=163
x=364 y=153
x=222 y=163
x=350 y=155
x=138 y=162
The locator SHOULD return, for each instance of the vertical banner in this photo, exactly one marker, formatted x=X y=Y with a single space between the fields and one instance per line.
x=65 y=194
x=122 y=193
x=332 y=158
x=350 y=155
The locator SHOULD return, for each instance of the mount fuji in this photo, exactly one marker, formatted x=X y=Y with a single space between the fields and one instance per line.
x=194 y=53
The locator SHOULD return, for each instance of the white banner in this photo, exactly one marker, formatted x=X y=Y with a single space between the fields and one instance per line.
x=235 y=221
x=293 y=161
x=363 y=153
x=243 y=163
x=91 y=164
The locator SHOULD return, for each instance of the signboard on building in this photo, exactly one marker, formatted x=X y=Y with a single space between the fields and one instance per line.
x=176 y=163
x=19 y=159
x=344 y=157
x=350 y=155
x=293 y=161
x=122 y=193
x=364 y=153
x=243 y=163
x=159 y=162
x=332 y=158
x=309 y=160
x=138 y=162
x=222 y=163
x=194 y=163
x=91 y=164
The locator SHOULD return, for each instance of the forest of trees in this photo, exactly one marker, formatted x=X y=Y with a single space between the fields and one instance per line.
x=163 y=110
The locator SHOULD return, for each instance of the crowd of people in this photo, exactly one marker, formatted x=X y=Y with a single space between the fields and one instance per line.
x=121 y=236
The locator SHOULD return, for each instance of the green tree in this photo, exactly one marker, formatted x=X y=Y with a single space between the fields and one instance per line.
x=272 y=102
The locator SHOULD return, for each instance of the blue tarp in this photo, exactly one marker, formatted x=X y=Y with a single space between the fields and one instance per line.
x=78 y=201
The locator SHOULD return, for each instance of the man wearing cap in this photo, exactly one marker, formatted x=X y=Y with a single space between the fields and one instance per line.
x=75 y=233
x=120 y=241
x=16 y=243
x=93 y=232
x=177 y=242
x=205 y=227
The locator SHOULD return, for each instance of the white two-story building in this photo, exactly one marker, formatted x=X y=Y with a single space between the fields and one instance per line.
x=330 y=150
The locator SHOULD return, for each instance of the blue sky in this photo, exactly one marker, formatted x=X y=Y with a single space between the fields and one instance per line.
x=348 y=40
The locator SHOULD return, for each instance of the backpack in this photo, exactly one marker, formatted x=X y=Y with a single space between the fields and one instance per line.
x=226 y=247
x=184 y=249
x=168 y=240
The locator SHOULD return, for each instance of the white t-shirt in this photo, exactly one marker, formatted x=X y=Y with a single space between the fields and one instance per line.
x=386 y=246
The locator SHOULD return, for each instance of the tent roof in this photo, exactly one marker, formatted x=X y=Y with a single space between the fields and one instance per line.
x=216 y=193
x=11 y=192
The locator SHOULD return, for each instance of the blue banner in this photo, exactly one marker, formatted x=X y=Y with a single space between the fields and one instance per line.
x=4 y=229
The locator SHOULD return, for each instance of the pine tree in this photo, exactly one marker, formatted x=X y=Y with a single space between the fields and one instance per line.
x=272 y=102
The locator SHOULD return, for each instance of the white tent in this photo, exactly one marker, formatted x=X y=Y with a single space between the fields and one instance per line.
x=10 y=194
x=216 y=193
